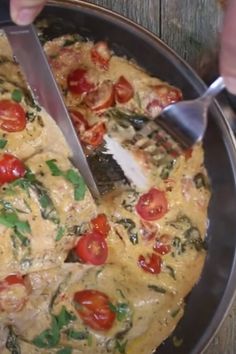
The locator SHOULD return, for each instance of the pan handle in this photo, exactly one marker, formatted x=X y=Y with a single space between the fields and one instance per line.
x=5 y=17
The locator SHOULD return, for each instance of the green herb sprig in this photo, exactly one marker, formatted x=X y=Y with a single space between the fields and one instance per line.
x=71 y=176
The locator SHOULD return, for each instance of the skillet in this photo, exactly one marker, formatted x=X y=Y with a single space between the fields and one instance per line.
x=211 y=298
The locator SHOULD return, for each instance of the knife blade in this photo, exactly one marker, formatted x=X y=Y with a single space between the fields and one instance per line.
x=32 y=59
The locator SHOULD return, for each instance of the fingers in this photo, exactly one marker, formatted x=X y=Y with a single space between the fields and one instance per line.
x=23 y=12
x=228 y=48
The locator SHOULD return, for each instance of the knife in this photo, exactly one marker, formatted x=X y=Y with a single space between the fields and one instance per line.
x=28 y=51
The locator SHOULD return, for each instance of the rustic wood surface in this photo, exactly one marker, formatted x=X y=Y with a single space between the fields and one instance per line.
x=191 y=28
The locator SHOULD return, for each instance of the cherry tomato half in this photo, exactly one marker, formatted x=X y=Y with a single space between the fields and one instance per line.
x=150 y=264
x=123 y=90
x=100 y=55
x=13 y=293
x=12 y=116
x=92 y=248
x=79 y=122
x=93 y=308
x=78 y=82
x=162 y=245
x=152 y=205
x=94 y=135
x=167 y=94
x=101 y=98
x=11 y=168
x=101 y=225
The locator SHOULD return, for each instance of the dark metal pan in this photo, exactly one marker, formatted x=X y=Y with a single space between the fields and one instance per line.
x=210 y=299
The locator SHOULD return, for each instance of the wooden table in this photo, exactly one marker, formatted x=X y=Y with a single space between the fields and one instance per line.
x=191 y=28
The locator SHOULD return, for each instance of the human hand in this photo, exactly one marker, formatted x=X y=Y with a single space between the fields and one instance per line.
x=23 y=12
x=228 y=48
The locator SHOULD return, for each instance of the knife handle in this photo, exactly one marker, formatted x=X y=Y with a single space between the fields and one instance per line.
x=5 y=17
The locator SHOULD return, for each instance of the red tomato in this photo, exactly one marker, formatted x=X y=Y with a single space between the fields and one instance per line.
x=80 y=123
x=92 y=248
x=93 y=308
x=100 y=55
x=123 y=90
x=163 y=95
x=101 y=225
x=167 y=94
x=188 y=153
x=78 y=82
x=162 y=245
x=13 y=293
x=151 y=264
x=101 y=98
x=148 y=230
x=11 y=168
x=94 y=135
x=152 y=205
x=12 y=116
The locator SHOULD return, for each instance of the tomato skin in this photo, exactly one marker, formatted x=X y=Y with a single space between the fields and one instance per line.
x=101 y=225
x=92 y=248
x=101 y=98
x=152 y=205
x=11 y=168
x=93 y=308
x=78 y=120
x=162 y=96
x=162 y=245
x=12 y=116
x=148 y=230
x=167 y=94
x=150 y=264
x=94 y=135
x=13 y=293
x=78 y=83
x=100 y=55
x=123 y=90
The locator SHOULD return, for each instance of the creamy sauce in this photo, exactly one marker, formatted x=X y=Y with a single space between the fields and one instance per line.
x=152 y=304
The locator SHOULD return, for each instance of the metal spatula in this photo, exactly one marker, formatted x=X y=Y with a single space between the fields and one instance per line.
x=186 y=121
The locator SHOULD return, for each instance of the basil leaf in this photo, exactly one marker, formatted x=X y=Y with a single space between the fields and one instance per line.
x=17 y=95
x=55 y=170
x=121 y=347
x=122 y=310
x=64 y=318
x=79 y=192
x=3 y=143
x=12 y=344
x=23 y=239
x=81 y=335
x=60 y=233
x=71 y=176
x=78 y=182
x=65 y=351
x=48 y=338
x=156 y=288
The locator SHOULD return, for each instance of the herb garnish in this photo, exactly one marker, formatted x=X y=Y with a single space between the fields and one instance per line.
x=51 y=336
x=3 y=143
x=12 y=344
x=157 y=288
x=121 y=347
x=30 y=182
x=122 y=310
x=129 y=225
x=66 y=350
x=17 y=95
x=71 y=176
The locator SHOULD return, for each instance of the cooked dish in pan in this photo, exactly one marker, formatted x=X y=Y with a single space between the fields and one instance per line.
x=79 y=276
